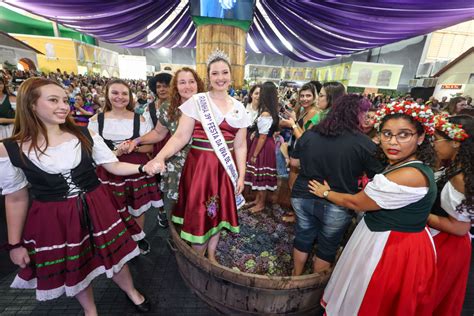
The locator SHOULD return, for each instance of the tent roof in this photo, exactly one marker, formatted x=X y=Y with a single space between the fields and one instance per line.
x=10 y=41
x=454 y=62
x=302 y=30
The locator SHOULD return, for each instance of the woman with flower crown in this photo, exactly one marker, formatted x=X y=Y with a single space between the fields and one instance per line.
x=213 y=175
x=450 y=219
x=388 y=266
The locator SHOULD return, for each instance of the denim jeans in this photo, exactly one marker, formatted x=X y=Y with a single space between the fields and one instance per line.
x=318 y=219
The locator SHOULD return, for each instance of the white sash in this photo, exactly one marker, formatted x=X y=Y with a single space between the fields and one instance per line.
x=217 y=141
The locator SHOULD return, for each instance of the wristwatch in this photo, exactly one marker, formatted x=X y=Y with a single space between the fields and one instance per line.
x=294 y=126
x=326 y=193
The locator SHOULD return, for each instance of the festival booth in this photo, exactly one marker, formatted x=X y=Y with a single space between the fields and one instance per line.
x=457 y=77
x=71 y=56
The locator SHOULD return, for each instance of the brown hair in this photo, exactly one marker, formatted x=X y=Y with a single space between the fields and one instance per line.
x=451 y=107
x=175 y=98
x=28 y=126
x=108 y=105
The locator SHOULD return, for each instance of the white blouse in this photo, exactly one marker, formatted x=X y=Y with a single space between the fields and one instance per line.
x=237 y=117
x=58 y=159
x=119 y=130
x=251 y=112
x=450 y=199
x=264 y=123
x=390 y=195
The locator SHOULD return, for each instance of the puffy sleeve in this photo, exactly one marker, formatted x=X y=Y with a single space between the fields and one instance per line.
x=101 y=154
x=13 y=179
x=189 y=109
x=264 y=123
x=390 y=195
x=238 y=117
x=145 y=126
x=450 y=199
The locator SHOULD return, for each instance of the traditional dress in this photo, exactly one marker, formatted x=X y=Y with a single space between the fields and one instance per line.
x=453 y=254
x=73 y=232
x=6 y=111
x=136 y=193
x=388 y=266
x=262 y=174
x=206 y=202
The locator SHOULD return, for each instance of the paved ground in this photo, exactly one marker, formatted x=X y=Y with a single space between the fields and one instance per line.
x=155 y=274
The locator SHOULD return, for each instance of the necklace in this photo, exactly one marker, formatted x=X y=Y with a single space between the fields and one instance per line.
x=400 y=162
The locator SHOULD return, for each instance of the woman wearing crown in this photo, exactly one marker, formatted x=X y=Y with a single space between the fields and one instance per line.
x=213 y=175
x=388 y=266
x=450 y=219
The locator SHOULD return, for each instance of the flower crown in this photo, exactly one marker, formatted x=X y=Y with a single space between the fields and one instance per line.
x=453 y=131
x=217 y=54
x=420 y=113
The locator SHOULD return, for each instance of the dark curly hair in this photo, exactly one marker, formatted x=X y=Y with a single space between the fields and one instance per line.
x=464 y=161
x=163 y=77
x=343 y=117
x=175 y=98
x=424 y=152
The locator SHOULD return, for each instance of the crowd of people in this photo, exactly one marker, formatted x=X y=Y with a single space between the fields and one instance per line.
x=93 y=155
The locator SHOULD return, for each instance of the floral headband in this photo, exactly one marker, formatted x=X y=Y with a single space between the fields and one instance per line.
x=420 y=113
x=453 y=131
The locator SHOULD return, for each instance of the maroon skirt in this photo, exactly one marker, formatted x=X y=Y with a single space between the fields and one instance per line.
x=262 y=175
x=206 y=202
x=137 y=193
x=63 y=257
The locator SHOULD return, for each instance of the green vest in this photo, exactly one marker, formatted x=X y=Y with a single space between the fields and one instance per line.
x=410 y=218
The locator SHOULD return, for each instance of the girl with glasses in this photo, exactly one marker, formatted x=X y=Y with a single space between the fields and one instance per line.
x=388 y=266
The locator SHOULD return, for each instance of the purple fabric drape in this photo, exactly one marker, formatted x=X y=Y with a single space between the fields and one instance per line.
x=316 y=30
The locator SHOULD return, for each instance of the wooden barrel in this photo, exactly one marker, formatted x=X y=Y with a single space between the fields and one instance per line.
x=231 y=40
x=237 y=293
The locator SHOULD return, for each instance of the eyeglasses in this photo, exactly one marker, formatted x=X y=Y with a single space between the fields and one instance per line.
x=402 y=137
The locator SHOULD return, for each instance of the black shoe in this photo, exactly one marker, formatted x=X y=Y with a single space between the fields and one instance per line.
x=143 y=307
x=144 y=246
x=162 y=219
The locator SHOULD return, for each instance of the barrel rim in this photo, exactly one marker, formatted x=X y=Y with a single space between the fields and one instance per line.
x=249 y=279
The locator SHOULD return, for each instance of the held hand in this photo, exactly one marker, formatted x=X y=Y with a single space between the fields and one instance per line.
x=317 y=188
x=124 y=147
x=154 y=166
x=20 y=257
x=240 y=186
x=286 y=122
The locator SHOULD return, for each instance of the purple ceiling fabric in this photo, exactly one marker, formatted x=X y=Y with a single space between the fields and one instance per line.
x=316 y=30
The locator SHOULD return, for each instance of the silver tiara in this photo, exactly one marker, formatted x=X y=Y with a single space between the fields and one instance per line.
x=217 y=54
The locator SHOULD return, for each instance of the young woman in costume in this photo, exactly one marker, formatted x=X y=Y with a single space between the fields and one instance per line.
x=118 y=122
x=261 y=172
x=211 y=179
x=184 y=85
x=50 y=160
x=450 y=219
x=388 y=266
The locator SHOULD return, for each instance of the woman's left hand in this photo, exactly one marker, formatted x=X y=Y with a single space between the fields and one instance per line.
x=318 y=188
x=291 y=115
x=240 y=186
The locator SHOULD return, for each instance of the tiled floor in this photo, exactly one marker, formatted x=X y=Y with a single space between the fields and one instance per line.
x=155 y=274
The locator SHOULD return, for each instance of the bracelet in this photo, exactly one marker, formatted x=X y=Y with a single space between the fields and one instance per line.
x=8 y=247
x=137 y=141
x=140 y=168
x=294 y=126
